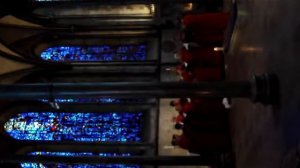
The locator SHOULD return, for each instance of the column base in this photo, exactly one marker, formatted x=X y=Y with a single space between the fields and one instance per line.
x=266 y=89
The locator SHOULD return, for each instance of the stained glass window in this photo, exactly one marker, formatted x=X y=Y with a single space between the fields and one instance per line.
x=82 y=126
x=95 y=53
x=70 y=154
x=93 y=100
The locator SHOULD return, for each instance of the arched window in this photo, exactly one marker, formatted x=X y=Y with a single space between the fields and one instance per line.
x=102 y=53
x=79 y=127
x=71 y=154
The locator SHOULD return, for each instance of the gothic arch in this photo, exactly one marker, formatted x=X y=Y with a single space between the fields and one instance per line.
x=79 y=45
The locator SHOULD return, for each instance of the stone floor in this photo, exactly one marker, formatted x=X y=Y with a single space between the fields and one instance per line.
x=266 y=39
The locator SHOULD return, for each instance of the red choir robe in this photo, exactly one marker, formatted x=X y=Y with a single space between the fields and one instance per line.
x=186 y=107
x=207 y=21
x=211 y=109
x=204 y=105
x=208 y=143
x=200 y=74
x=184 y=142
x=207 y=27
x=206 y=74
x=205 y=55
x=179 y=119
x=200 y=143
x=183 y=73
x=209 y=104
x=207 y=121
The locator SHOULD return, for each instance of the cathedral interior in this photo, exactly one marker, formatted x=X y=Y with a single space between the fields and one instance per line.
x=149 y=84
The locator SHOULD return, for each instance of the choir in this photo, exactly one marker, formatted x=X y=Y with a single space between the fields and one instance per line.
x=204 y=122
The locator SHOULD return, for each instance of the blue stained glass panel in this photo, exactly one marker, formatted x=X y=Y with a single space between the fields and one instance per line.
x=103 y=53
x=94 y=100
x=70 y=154
x=80 y=127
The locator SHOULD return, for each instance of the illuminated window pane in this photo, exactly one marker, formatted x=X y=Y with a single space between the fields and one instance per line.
x=70 y=154
x=103 y=53
x=84 y=127
x=94 y=100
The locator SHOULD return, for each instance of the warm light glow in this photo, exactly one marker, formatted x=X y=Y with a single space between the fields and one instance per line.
x=134 y=9
x=188 y=7
x=218 y=49
x=251 y=49
x=152 y=8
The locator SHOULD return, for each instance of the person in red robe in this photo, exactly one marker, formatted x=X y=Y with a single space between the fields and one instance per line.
x=208 y=115
x=217 y=21
x=183 y=73
x=208 y=105
x=202 y=143
x=206 y=28
x=179 y=119
x=214 y=115
x=190 y=72
x=182 y=105
x=207 y=121
x=206 y=74
x=176 y=104
x=202 y=56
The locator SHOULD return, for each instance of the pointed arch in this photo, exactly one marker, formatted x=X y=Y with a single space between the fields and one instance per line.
x=53 y=46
